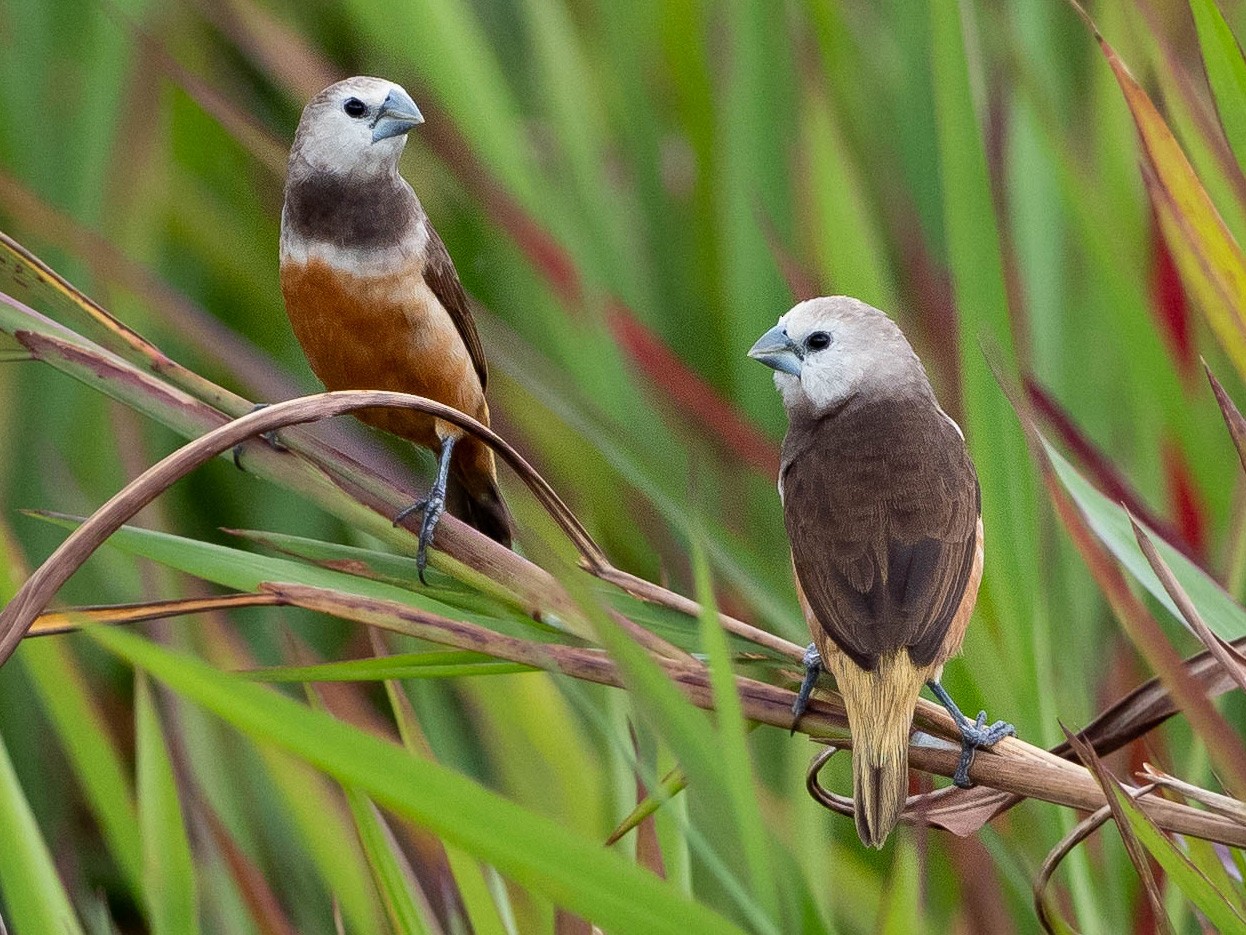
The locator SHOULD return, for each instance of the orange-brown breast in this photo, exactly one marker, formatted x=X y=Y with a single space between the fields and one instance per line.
x=384 y=332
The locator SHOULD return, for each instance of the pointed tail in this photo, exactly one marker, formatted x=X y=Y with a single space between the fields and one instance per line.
x=880 y=708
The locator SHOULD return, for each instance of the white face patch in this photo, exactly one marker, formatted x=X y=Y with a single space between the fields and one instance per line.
x=331 y=139
x=867 y=351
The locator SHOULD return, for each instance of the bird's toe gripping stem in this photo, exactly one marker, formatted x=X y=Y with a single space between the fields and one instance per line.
x=973 y=734
x=813 y=668
x=270 y=437
x=432 y=506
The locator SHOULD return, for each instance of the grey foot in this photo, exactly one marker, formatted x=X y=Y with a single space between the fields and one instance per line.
x=270 y=437
x=432 y=506
x=973 y=734
x=813 y=668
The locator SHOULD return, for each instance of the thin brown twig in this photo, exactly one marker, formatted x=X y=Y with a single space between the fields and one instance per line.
x=1081 y=831
x=1224 y=805
x=1224 y=654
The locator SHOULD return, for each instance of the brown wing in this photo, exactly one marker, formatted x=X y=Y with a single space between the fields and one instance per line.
x=443 y=279
x=881 y=504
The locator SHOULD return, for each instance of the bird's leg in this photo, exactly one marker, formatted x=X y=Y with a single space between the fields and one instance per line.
x=813 y=668
x=432 y=506
x=270 y=437
x=973 y=734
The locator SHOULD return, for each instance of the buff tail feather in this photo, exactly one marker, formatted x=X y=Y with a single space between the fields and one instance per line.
x=880 y=708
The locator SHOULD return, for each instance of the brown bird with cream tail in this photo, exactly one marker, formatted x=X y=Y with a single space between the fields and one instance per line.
x=374 y=298
x=882 y=509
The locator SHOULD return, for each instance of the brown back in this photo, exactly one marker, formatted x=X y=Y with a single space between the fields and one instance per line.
x=881 y=503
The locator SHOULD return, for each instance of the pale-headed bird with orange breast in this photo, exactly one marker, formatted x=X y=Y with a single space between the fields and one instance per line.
x=883 y=513
x=374 y=298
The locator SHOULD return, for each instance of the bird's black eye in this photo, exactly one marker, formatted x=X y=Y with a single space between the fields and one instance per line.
x=818 y=341
x=355 y=107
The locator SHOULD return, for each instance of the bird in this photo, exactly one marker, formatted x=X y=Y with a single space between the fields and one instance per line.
x=883 y=514
x=374 y=298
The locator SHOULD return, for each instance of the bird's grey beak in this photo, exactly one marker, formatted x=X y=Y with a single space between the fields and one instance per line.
x=397 y=115
x=775 y=349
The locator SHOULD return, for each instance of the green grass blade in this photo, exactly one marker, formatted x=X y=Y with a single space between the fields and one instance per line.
x=32 y=891
x=246 y=571
x=1188 y=878
x=169 y=883
x=393 y=881
x=483 y=912
x=1111 y=524
x=733 y=743
x=846 y=241
x=976 y=262
x=429 y=665
x=689 y=734
x=326 y=836
x=531 y=850
x=92 y=752
x=1226 y=72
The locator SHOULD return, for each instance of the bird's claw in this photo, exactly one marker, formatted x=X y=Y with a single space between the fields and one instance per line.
x=432 y=506
x=270 y=437
x=974 y=735
x=408 y=511
x=812 y=661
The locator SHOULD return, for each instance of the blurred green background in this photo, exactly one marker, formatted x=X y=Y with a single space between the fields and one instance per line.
x=633 y=191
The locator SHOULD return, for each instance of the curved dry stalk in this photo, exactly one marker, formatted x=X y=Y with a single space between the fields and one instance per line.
x=1020 y=776
x=1081 y=831
x=340 y=484
x=41 y=587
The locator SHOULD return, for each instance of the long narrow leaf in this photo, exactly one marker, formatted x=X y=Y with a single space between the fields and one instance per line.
x=1111 y=524
x=78 y=719
x=532 y=850
x=1210 y=260
x=432 y=665
x=732 y=735
x=32 y=890
x=1226 y=71
x=168 y=867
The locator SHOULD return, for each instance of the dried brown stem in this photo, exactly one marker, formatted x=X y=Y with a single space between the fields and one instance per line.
x=42 y=586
